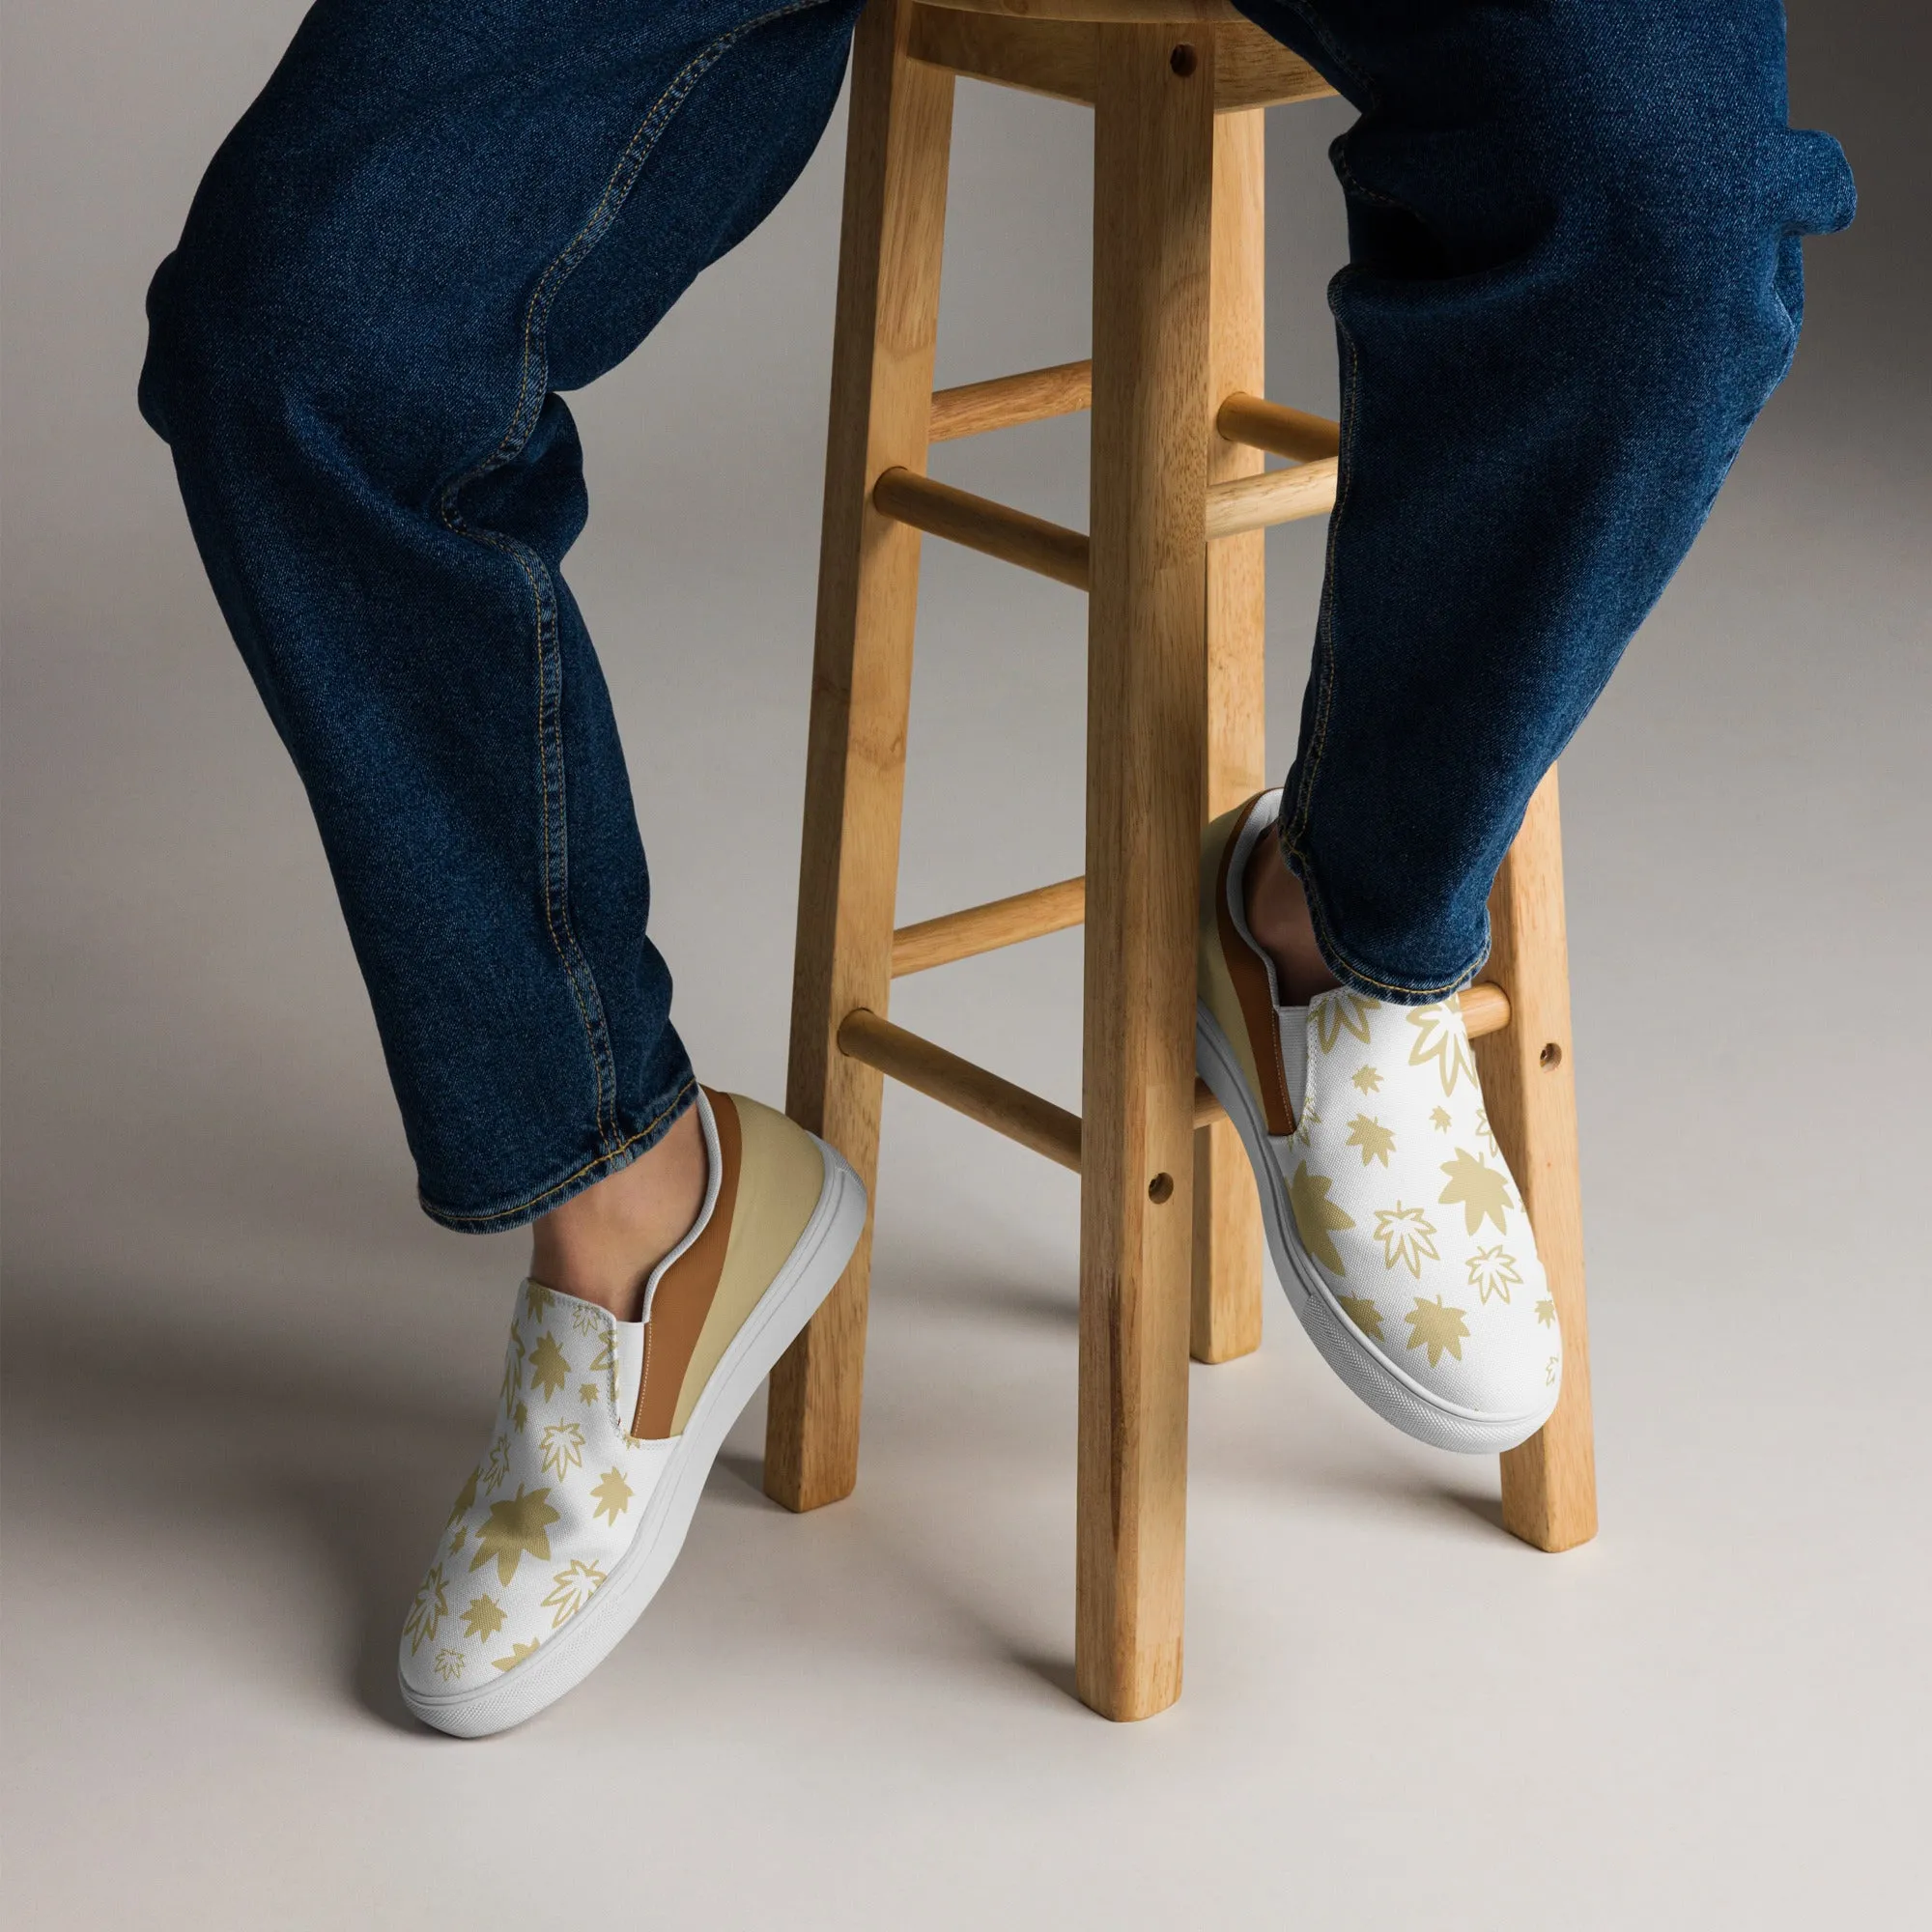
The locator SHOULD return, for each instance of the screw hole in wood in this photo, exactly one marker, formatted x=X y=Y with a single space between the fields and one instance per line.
x=1183 y=60
x=1160 y=1189
x=1550 y=1056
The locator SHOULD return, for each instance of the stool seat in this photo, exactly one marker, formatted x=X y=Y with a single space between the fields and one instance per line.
x=1172 y=567
x=1136 y=12
x=1053 y=47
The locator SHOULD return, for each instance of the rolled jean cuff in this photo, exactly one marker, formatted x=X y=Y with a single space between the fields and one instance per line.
x=1377 y=980
x=638 y=1134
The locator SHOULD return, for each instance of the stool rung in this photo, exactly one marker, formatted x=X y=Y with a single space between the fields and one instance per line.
x=979 y=524
x=1277 y=497
x=958 y=1084
x=1276 y=428
x=985 y=928
x=975 y=408
x=1486 y=1009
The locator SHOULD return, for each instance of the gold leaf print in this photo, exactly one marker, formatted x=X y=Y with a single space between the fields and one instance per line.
x=518 y=1653
x=1439 y=1119
x=537 y=1300
x=1316 y=1215
x=496 y=1464
x=583 y=1317
x=518 y=1526
x=1367 y=1079
x=550 y=1366
x=1440 y=1036
x=457 y=1535
x=448 y=1663
x=1546 y=1312
x=613 y=1495
x=587 y=1391
x=513 y=1366
x=1550 y=1371
x=1337 y=1013
x=1375 y=1141
x=1363 y=1313
x=1436 y=1328
x=466 y=1497
x=427 y=1608
x=519 y=1417
x=607 y=1353
x=562 y=1448
x=1494 y=1272
x=1485 y=1134
x=1482 y=1189
x=1408 y=1236
x=483 y=1618
x=571 y=1588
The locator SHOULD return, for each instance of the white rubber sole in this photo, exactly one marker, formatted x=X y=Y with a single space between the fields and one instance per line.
x=809 y=1275
x=1396 y=1397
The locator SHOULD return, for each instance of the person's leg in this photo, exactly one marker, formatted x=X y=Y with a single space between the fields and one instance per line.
x=1574 y=278
x=435 y=217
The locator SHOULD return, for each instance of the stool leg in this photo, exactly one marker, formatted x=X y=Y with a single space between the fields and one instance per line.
x=1146 y=691
x=896 y=164
x=1227 y=1317
x=1550 y=1485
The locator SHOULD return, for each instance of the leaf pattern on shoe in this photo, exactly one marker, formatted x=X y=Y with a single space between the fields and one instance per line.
x=1409 y=1210
x=544 y=1516
x=1441 y=1037
x=1316 y=1216
x=1392 y=1216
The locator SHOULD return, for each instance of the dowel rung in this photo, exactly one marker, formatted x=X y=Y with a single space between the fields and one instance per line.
x=979 y=524
x=1486 y=1009
x=984 y=929
x=1276 y=497
x=972 y=408
x=958 y=1084
x=1276 y=428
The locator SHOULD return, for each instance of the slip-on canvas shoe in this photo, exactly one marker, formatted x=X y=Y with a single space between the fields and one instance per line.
x=1396 y=1228
x=606 y=1430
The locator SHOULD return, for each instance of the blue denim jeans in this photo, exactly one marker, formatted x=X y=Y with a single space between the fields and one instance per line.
x=1575 y=279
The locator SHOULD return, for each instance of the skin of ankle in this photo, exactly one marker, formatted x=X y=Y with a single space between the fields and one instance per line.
x=601 y=1245
x=1278 y=916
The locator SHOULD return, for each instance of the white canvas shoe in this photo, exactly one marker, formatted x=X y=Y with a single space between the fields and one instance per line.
x=607 y=1430
x=1395 y=1225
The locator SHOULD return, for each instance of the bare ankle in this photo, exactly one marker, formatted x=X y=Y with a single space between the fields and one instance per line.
x=601 y=1245
x=1278 y=916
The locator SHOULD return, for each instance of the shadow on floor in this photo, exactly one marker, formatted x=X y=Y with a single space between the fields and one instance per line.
x=358 y=1460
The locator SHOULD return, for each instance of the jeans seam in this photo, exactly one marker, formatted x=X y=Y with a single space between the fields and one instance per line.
x=534 y=388
x=519 y=1209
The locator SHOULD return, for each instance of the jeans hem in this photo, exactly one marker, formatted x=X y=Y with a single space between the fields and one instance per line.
x=1358 y=979
x=520 y=1212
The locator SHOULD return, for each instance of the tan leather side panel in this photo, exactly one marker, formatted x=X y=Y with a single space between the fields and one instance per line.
x=779 y=1180
x=1233 y=982
x=682 y=1304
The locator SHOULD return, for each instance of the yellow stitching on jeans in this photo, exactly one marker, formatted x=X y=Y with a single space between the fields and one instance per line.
x=522 y=1207
x=684 y=78
x=1325 y=931
x=513 y=552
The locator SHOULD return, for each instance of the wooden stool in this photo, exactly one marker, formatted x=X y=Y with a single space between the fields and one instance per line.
x=1173 y=569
